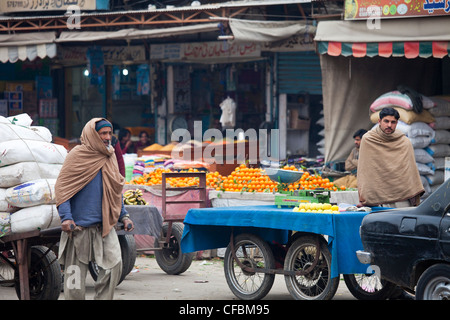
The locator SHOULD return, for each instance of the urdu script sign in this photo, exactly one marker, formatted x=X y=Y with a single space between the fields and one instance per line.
x=383 y=9
x=7 y=6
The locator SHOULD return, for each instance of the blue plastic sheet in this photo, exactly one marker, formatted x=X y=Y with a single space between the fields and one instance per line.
x=210 y=228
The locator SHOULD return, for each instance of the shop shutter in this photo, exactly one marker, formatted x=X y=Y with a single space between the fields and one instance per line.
x=299 y=72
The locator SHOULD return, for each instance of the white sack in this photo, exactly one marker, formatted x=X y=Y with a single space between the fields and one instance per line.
x=22 y=119
x=402 y=126
x=420 y=142
x=28 y=150
x=10 y=131
x=424 y=169
x=38 y=217
x=441 y=137
x=32 y=193
x=18 y=173
x=441 y=108
x=439 y=163
x=4 y=205
x=422 y=156
x=420 y=129
x=438 y=150
x=441 y=123
x=420 y=134
x=436 y=179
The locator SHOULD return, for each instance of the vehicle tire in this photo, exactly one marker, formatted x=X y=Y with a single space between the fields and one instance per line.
x=434 y=283
x=128 y=252
x=316 y=284
x=45 y=276
x=368 y=286
x=171 y=259
x=251 y=251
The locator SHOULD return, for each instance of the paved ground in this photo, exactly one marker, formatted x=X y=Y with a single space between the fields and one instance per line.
x=204 y=280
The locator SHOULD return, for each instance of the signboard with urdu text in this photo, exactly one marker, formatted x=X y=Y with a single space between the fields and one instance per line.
x=7 y=6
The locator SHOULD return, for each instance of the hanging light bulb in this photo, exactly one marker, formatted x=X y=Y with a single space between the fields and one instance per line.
x=86 y=72
x=125 y=71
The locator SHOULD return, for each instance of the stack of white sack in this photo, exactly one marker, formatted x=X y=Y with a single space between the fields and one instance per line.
x=422 y=136
x=29 y=166
x=416 y=126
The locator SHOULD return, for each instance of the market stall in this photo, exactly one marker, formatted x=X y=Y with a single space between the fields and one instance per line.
x=359 y=64
x=231 y=199
x=170 y=202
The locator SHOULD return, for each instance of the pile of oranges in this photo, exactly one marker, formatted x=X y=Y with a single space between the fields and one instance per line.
x=255 y=180
x=242 y=179
x=155 y=178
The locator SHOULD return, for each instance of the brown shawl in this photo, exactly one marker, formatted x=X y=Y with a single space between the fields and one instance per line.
x=387 y=170
x=82 y=164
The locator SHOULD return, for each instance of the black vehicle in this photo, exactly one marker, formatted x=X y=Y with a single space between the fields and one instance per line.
x=411 y=246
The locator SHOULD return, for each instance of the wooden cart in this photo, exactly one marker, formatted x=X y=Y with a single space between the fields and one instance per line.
x=167 y=249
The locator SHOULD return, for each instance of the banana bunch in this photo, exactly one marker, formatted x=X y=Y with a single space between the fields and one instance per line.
x=134 y=197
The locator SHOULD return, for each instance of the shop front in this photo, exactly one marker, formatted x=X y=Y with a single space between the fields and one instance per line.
x=105 y=81
x=359 y=64
x=26 y=83
x=363 y=68
x=202 y=75
x=266 y=68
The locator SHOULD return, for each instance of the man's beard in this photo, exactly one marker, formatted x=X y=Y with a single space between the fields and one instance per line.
x=107 y=143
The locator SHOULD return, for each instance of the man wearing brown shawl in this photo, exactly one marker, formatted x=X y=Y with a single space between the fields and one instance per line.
x=88 y=195
x=387 y=171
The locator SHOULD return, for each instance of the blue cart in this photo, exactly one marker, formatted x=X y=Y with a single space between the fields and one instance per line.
x=311 y=250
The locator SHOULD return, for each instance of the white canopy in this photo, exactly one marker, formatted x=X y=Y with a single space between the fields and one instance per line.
x=388 y=30
x=268 y=31
x=130 y=34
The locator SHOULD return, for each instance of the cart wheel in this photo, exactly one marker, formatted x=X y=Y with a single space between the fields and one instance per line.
x=170 y=259
x=128 y=251
x=316 y=284
x=368 y=286
x=45 y=276
x=252 y=252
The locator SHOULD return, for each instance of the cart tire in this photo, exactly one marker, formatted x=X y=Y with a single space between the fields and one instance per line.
x=45 y=276
x=249 y=285
x=170 y=259
x=316 y=284
x=128 y=249
x=128 y=252
x=368 y=286
x=434 y=283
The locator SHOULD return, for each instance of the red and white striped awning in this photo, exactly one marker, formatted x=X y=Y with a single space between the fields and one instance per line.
x=408 y=37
